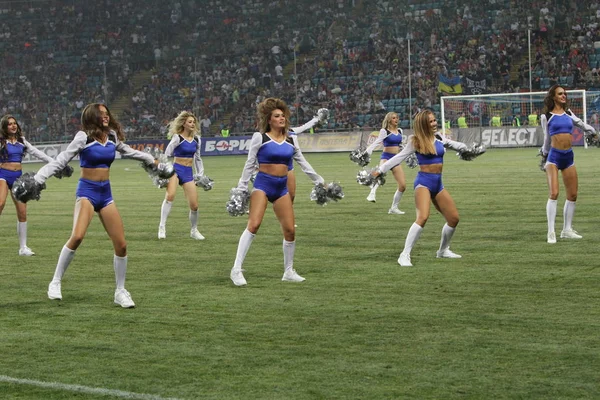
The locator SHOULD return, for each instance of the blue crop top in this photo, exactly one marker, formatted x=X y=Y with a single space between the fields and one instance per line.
x=92 y=154
x=559 y=123
x=437 y=158
x=14 y=152
x=393 y=139
x=96 y=154
x=440 y=143
x=184 y=148
x=264 y=150
x=272 y=152
x=387 y=138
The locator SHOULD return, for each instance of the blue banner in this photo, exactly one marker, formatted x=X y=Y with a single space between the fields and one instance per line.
x=213 y=146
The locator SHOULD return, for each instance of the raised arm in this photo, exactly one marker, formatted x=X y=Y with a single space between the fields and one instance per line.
x=63 y=158
x=306 y=126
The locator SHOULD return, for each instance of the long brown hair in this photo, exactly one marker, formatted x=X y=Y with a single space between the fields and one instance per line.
x=423 y=138
x=264 y=110
x=91 y=122
x=4 y=135
x=549 y=103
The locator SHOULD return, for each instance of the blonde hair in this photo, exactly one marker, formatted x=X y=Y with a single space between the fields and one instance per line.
x=423 y=138
x=264 y=111
x=386 y=120
x=176 y=126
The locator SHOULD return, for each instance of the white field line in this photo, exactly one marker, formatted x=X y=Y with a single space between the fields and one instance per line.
x=83 y=389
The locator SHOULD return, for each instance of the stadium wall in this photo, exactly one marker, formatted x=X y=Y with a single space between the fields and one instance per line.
x=491 y=137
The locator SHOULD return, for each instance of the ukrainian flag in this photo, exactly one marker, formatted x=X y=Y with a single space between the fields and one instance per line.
x=449 y=86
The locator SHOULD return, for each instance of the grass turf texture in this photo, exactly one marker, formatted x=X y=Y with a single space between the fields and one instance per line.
x=514 y=318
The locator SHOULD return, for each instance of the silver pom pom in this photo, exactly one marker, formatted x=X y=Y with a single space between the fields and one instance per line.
x=26 y=188
x=239 y=202
x=412 y=161
x=204 y=182
x=160 y=183
x=253 y=177
x=592 y=139
x=471 y=153
x=66 y=172
x=165 y=170
x=323 y=115
x=361 y=157
x=543 y=159
x=323 y=194
x=366 y=178
x=319 y=194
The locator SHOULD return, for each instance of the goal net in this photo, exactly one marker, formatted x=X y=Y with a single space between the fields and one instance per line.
x=504 y=120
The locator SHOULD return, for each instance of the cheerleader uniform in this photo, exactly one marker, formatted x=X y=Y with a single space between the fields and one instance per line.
x=388 y=139
x=14 y=153
x=92 y=154
x=554 y=124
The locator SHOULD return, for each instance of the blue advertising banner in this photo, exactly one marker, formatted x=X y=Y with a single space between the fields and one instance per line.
x=210 y=146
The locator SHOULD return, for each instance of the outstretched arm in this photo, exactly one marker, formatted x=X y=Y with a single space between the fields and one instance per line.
x=305 y=165
x=40 y=155
x=382 y=135
x=408 y=149
x=451 y=144
x=62 y=159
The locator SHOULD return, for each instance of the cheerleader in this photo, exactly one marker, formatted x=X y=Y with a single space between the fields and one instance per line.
x=96 y=144
x=429 y=148
x=273 y=148
x=13 y=147
x=185 y=147
x=557 y=121
x=391 y=137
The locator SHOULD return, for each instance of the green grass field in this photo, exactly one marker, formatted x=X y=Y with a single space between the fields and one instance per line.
x=515 y=318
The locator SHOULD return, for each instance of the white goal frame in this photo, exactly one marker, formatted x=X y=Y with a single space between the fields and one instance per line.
x=523 y=95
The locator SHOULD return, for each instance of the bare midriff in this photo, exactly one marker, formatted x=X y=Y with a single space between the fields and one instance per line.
x=274 y=169
x=432 y=168
x=11 y=166
x=392 y=149
x=561 y=141
x=185 y=161
x=95 y=174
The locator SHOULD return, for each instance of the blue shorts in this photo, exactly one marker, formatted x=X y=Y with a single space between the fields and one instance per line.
x=98 y=193
x=274 y=187
x=184 y=174
x=10 y=176
x=563 y=159
x=386 y=156
x=433 y=182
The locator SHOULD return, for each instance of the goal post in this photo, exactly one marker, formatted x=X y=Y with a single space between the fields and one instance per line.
x=504 y=120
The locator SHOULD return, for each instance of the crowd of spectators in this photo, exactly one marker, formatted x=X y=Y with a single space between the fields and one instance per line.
x=220 y=60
